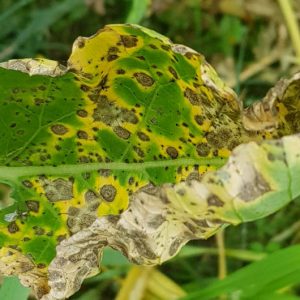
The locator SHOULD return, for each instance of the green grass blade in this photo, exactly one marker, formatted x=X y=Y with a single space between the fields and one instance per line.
x=12 y=289
x=137 y=11
x=13 y=9
x=276 y=271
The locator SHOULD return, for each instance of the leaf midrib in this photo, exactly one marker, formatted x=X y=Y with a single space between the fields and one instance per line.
x=11 y=173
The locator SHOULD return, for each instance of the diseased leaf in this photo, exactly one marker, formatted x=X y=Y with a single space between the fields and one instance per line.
x=114 y=150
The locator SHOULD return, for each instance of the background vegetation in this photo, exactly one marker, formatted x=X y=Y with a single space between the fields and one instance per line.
x=251 y=44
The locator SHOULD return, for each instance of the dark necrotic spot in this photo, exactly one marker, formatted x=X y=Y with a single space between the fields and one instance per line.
x=143 y=79
x=192 y=96
x=13 y=227
x=193 y=176
x=38 y=230
x=129 y=116
x=156 y=221
x=27 y=184
x=190 y=55
x=105 y=172
x=111 y=57
x=199 y=119
x=84 y=159
x=93 y=206
x=131 y=180
x=80 y=42
x=139 y=151
x=173 y=72
x=202 y=149
x=121 y=132
x=120 y=71
x=173 y=153
x=214 y=200
x=201 y=223
x=90 y=196
x=33 y=205
x=82 y=113
x=84 y=88
x=26 y=266
x=73 y=211
x=254 y=189
x=219 y=138
x=62 y=237
x=165 y=47
x=142 y=136
x=152 y=46
x=82 y=135
x=129 y=41
x=59 y=190
x=108 y=192
x=174 y=246
x=59 y=129
x=86 y=220
x=113 y=50
x=191 y=226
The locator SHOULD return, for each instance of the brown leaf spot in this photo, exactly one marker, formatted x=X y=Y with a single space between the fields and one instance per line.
x=172 y=152
x=59 y=190
x=214 y=200
x=13 y=227
x=254 y=189
x=139 y=151
x=156 y=221
x=194 y=98
x=129 y=116
x=120 y=72
x=129 y=41
x=143 y=79
x=33 y=205
x=108 y=192
x=121 y=132
x=202 y=149
x=82 y=135
x=174 y=246
x=73 y=211
x=220 y=138
x=82 y=113
x=199 y=119
x=111 y=57
x=80 y=42
x=173 y=72
x=90 y=196
x=27 y=184
x=143 y=136
x=59 y=129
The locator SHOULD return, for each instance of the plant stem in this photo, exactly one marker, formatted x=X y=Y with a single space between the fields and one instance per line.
x=222 y=266
x=246 y=255
x=291 y=23
x=221 y=254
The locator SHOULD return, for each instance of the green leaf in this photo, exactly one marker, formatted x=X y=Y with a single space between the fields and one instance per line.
x=115 y=150
x=12 y=289
x=258 y=280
